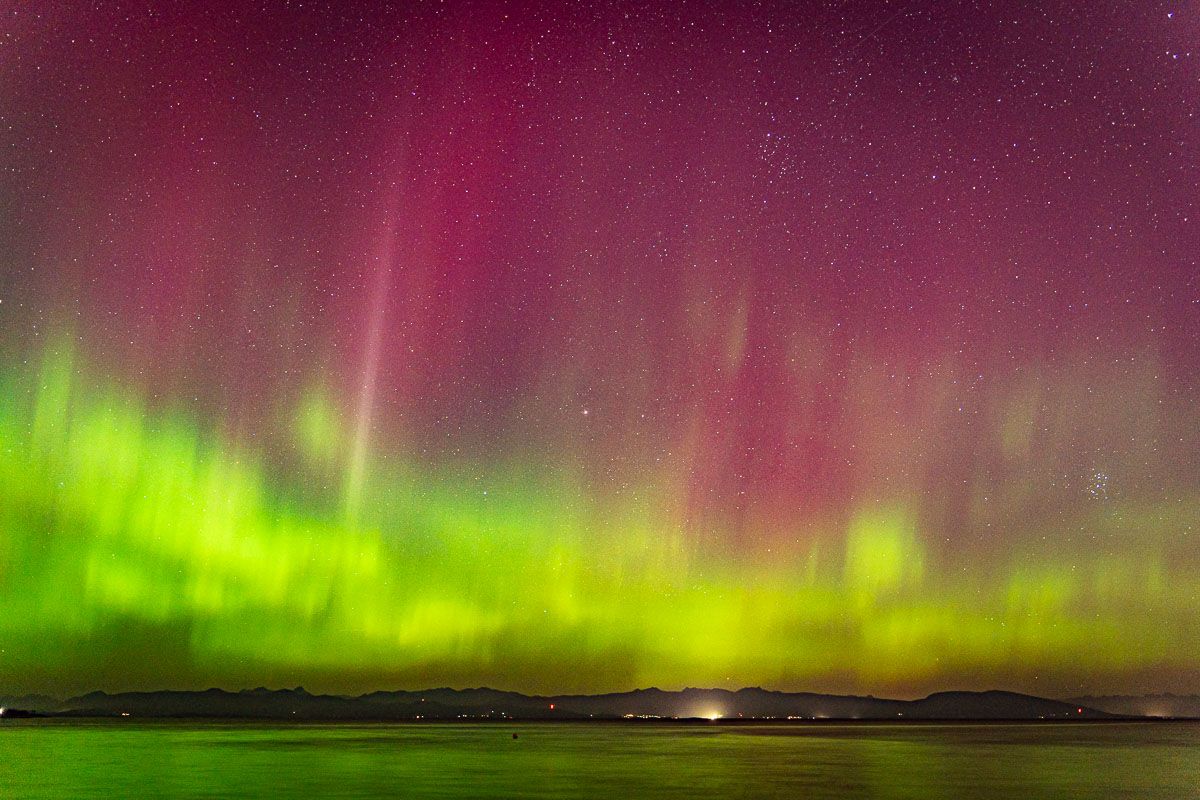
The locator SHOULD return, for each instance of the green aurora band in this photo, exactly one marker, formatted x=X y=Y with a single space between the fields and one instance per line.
x=139 y=543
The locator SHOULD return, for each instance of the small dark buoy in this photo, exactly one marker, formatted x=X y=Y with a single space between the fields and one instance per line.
x=514 y=736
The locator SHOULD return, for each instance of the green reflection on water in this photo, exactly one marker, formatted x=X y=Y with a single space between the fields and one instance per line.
x=104 y=759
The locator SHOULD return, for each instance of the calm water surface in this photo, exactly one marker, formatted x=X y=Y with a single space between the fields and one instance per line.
x=52 y=758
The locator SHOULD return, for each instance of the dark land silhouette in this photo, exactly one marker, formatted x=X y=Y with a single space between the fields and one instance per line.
x=1150 y=705
x=484 y=704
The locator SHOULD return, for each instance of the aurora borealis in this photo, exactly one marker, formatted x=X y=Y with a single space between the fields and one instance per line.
x=831 y=346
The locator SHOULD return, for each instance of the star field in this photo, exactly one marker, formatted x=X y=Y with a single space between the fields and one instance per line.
x=575 y=347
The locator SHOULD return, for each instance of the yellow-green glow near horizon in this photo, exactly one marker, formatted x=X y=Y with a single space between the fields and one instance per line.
x=120 y=518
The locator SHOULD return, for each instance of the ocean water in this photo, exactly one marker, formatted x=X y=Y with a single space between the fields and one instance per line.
x=57 y=758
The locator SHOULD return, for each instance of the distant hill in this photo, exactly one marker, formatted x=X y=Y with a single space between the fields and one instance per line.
x=457 y=704
x=1150 y=705
x=28 y=701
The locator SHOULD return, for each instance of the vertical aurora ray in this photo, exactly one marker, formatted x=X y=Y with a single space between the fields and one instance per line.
x=368 y=388
x=625 y=391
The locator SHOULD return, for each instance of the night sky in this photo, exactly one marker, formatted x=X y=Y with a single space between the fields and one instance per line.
x=835 y=346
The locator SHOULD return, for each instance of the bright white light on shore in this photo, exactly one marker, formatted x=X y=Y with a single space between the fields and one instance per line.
x=713 y=715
